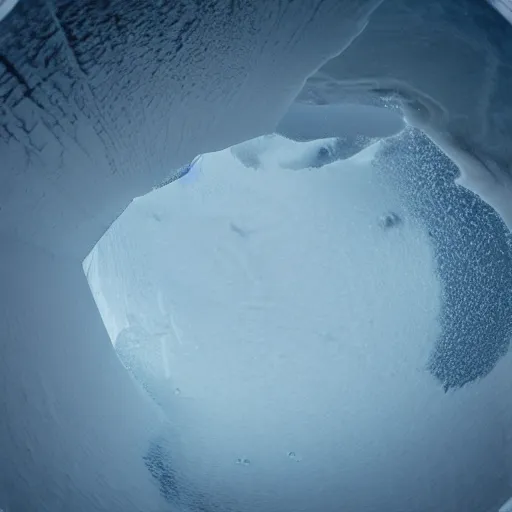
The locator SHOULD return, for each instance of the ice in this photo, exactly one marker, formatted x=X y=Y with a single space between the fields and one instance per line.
x=311 y=122
x=101 y=102
x=420 y=55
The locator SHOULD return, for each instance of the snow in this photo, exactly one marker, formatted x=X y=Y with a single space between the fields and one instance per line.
x=473 y=251
x=101 y=102
x=272 y=312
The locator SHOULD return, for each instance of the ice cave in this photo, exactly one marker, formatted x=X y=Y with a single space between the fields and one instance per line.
x=256 y=256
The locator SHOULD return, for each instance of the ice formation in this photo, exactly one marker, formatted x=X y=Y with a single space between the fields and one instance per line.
x=448 y=66
x=305 y=122
x=102 y=101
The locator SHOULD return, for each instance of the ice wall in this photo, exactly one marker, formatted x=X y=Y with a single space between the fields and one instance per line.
x=121 y=89
x=100 y=101
x=72 y=427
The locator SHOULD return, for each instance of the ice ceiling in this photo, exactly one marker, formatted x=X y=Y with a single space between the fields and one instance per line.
x=315 y=318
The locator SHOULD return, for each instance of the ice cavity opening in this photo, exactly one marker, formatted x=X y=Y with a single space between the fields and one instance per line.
x=272 y=292
x=259 y=170
x=260 y=304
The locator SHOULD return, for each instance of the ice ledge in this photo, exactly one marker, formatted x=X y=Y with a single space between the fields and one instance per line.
x=448 y=65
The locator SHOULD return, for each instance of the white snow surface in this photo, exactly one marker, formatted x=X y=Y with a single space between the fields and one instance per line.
x=281 y=318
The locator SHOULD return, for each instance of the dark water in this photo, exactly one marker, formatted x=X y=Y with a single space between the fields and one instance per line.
x=473 y=250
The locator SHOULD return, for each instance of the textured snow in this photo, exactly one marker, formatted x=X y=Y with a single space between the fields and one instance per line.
x=473 y=251
x=102 y=101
